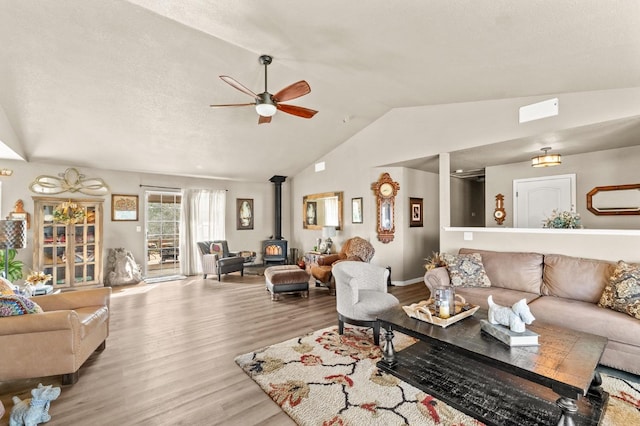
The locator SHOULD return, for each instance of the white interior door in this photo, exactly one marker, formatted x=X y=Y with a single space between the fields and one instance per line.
x=536 y=198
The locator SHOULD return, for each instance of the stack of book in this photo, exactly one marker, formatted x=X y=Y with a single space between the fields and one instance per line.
x=511 y=338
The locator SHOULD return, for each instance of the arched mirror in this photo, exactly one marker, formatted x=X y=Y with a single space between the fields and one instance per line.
x=324 y=209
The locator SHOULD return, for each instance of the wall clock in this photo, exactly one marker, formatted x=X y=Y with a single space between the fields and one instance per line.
x=499 y=214
x=385 y=190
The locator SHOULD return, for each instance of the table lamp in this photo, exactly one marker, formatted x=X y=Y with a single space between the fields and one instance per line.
x=13 y=235
x=327 y=233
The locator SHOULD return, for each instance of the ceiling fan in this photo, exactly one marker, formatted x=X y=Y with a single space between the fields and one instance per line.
x=267 y=104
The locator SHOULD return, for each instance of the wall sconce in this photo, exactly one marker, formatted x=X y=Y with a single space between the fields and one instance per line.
x=6 y=172
x=546 y=159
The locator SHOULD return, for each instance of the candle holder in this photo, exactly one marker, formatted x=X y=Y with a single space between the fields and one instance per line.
x=445 y=301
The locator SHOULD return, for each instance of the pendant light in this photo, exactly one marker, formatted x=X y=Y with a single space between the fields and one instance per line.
x=546 y=159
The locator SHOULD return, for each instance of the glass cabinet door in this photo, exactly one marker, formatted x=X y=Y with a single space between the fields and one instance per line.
x=70 y=253
x=54 y=247
x=84 y=260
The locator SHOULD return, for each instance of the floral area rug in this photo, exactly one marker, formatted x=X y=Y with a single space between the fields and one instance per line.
x=324 y=378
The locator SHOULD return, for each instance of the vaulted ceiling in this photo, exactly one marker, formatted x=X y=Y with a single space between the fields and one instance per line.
x=126 y=85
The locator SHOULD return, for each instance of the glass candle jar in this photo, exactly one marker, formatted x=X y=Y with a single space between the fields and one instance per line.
x=445 y=301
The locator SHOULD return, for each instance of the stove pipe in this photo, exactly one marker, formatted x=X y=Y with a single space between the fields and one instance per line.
x=277 y=182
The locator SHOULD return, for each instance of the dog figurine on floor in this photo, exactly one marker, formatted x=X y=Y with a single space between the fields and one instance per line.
x=514 y=317
x=35 y=410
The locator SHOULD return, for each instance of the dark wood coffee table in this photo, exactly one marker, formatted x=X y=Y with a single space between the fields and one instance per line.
x=497 y=384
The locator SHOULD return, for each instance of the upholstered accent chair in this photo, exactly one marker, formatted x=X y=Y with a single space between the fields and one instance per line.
x=217 y=259
x=356 y=249
x=361 y=295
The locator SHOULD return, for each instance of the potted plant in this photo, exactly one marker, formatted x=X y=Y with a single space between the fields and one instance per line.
x=15 y=266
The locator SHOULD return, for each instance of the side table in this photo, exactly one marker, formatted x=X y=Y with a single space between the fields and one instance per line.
x=311 y=259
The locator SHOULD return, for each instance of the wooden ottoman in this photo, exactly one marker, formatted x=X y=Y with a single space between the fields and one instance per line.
x=286 y=279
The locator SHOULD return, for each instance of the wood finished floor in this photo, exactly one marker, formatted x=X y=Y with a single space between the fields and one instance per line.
x=169 y=356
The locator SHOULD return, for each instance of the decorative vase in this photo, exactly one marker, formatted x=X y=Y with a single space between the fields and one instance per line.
x=28 y=290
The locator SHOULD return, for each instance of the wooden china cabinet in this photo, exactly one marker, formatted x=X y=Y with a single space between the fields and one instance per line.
x=71 y=253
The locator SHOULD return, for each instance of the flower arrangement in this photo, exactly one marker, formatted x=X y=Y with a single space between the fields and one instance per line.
x=38 y=278
x=434 y=261
x=68 y=213
x=562 y=219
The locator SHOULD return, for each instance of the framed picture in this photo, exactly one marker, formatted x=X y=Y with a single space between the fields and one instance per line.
x=19 y=213
x=311 y=213
x=415 y=211
x=356 y=210
x=124 y=207
x=20 y=216
x=244 y=213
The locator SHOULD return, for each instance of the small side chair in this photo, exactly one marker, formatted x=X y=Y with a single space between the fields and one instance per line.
x=361 y=295
x=216 y=259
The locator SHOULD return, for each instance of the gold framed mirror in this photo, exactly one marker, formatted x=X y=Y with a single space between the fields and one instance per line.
x=324 y=209
x=614 y=200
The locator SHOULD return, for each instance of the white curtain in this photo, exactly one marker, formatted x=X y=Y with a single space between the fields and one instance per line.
x=331 y=211
x=202 y=218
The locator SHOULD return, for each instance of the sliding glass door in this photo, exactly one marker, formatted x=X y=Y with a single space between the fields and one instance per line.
x=163 y=233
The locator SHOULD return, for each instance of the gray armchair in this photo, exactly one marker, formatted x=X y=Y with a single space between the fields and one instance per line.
x=216 y=259
x=361 y=295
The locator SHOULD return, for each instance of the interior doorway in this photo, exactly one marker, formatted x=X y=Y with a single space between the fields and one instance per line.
x=162 y=233
x=536 y=198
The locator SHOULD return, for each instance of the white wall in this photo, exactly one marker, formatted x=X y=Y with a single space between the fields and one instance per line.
x=123 y=234
x=419 y=241
x=612 y=245
x=408 y=133
x=405 y=254
x=610 y=167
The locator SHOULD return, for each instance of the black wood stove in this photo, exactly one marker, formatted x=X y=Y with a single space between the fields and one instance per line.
x=274 y=250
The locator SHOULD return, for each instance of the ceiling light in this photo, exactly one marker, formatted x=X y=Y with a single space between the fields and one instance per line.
x=6 y=172
x=266 y=110
x=546 y=159
x=265 y=105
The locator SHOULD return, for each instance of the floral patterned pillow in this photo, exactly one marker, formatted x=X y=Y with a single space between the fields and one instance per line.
x=14 y=304
x=622 y=293
x=466 y=270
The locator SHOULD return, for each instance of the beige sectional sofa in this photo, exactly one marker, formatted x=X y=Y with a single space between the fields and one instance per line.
x=58 y=340
x=561 y=290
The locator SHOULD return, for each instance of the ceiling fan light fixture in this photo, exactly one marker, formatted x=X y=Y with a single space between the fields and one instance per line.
x=265 y=105
x=546 y=159
x=266 y=110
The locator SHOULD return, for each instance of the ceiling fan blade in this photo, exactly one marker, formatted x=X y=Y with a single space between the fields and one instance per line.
x=264 y=120
x=292 y=91
x=297 y=110
x=233 y=83
x=232 y=105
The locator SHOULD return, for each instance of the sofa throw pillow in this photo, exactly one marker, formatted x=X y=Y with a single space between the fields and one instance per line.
x=466 y=270
x=15 y=304
x=622 y=293
x=216 y=248
x=5 y=287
